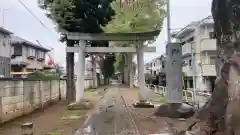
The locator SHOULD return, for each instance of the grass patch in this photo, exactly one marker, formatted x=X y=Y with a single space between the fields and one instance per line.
x=90 y=93
x=54 y=133
x=160 y=99
x=74 y=114
x=90 y=90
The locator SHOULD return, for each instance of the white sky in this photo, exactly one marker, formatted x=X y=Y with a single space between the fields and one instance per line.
x=18 y=20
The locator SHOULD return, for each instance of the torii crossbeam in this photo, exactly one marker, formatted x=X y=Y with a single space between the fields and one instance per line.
x=82 y=48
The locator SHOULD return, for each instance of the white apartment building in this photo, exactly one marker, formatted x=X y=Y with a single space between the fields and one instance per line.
x=199 y=54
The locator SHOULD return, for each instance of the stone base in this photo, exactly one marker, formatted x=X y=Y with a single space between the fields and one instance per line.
x=175 y=110
x=143 y=104
x=85 y=104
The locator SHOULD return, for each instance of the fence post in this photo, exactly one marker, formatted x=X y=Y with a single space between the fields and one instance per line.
x=40 y=94
x=27 y=129
x=59 y=90
x=1 y=105
x=50 y=100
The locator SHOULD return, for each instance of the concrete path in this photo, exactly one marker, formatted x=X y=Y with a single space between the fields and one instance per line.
x=110 y=118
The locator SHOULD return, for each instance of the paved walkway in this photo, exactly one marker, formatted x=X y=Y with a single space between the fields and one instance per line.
x=110 y=118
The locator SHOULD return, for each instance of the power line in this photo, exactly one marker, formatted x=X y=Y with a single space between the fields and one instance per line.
x=25 y=6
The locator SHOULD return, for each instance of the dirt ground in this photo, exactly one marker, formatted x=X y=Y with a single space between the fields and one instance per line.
x=53 y=120
x=146 y=122
x=57 y=120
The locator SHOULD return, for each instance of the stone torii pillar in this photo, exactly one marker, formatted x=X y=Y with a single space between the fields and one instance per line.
x=80 y=71
x=143 y=103
x=141 y=76
x=130 y=58
x=126 y=69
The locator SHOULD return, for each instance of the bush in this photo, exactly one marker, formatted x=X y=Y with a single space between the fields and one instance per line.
x=44 y=75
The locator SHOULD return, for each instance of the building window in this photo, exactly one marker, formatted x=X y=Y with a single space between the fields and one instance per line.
x=163 y=65
x=190 y=62
x=31 y=52
x=17 y=50
x=40 y=55
x=191 y=83
x=212 y=35
x=212 y=60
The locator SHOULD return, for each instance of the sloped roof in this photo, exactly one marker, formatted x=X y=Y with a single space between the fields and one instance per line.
x=5 y=31
x=193 y=25
x=16 y=39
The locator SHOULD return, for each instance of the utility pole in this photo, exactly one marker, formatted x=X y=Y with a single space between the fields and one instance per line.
x=168 y=22
x=3 y=10
x=194 y=73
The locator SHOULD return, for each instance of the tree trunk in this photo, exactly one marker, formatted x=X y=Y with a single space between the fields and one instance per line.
x=70 y=95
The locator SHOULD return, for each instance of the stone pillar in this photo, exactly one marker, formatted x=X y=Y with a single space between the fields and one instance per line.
x=174 y=73
x=141 y=76
x=94 y=73
x=174 y=106
x=125 y=71
x=80 y=72
x=130 y=70
x=143 y=103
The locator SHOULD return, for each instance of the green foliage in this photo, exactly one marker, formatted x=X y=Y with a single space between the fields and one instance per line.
x=137 y=16
x=108 y=66
x=39 y=75
x=119 y=63
x=87 y=16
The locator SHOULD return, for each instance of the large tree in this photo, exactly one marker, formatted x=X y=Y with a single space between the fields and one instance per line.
x=135 y=16
x=86 y=16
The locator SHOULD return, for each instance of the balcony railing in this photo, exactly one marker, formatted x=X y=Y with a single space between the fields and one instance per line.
x=19 y=60
x=208 y=45
x=208 y=70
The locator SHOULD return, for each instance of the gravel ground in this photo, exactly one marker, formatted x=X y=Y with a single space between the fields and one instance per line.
x=110 y=118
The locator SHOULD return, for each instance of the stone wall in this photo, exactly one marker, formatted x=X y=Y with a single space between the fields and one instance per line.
x=20 y=97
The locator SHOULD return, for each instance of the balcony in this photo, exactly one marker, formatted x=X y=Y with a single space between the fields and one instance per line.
x=188 y=48
x=208 y=45
x=208 y=70
x=19 y=60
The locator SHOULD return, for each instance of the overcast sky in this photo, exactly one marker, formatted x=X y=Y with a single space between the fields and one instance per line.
x=18 y=20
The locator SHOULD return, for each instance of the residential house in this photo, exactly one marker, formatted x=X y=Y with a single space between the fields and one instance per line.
x=147 y=68
x=27 y=56
x=199 y=54
x=156 y=66
x=5 y=52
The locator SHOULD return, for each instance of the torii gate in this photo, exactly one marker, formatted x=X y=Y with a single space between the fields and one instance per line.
x=82 y=49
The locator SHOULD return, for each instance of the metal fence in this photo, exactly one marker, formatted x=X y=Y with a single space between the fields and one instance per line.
x=188 y=95
x=19 y=97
